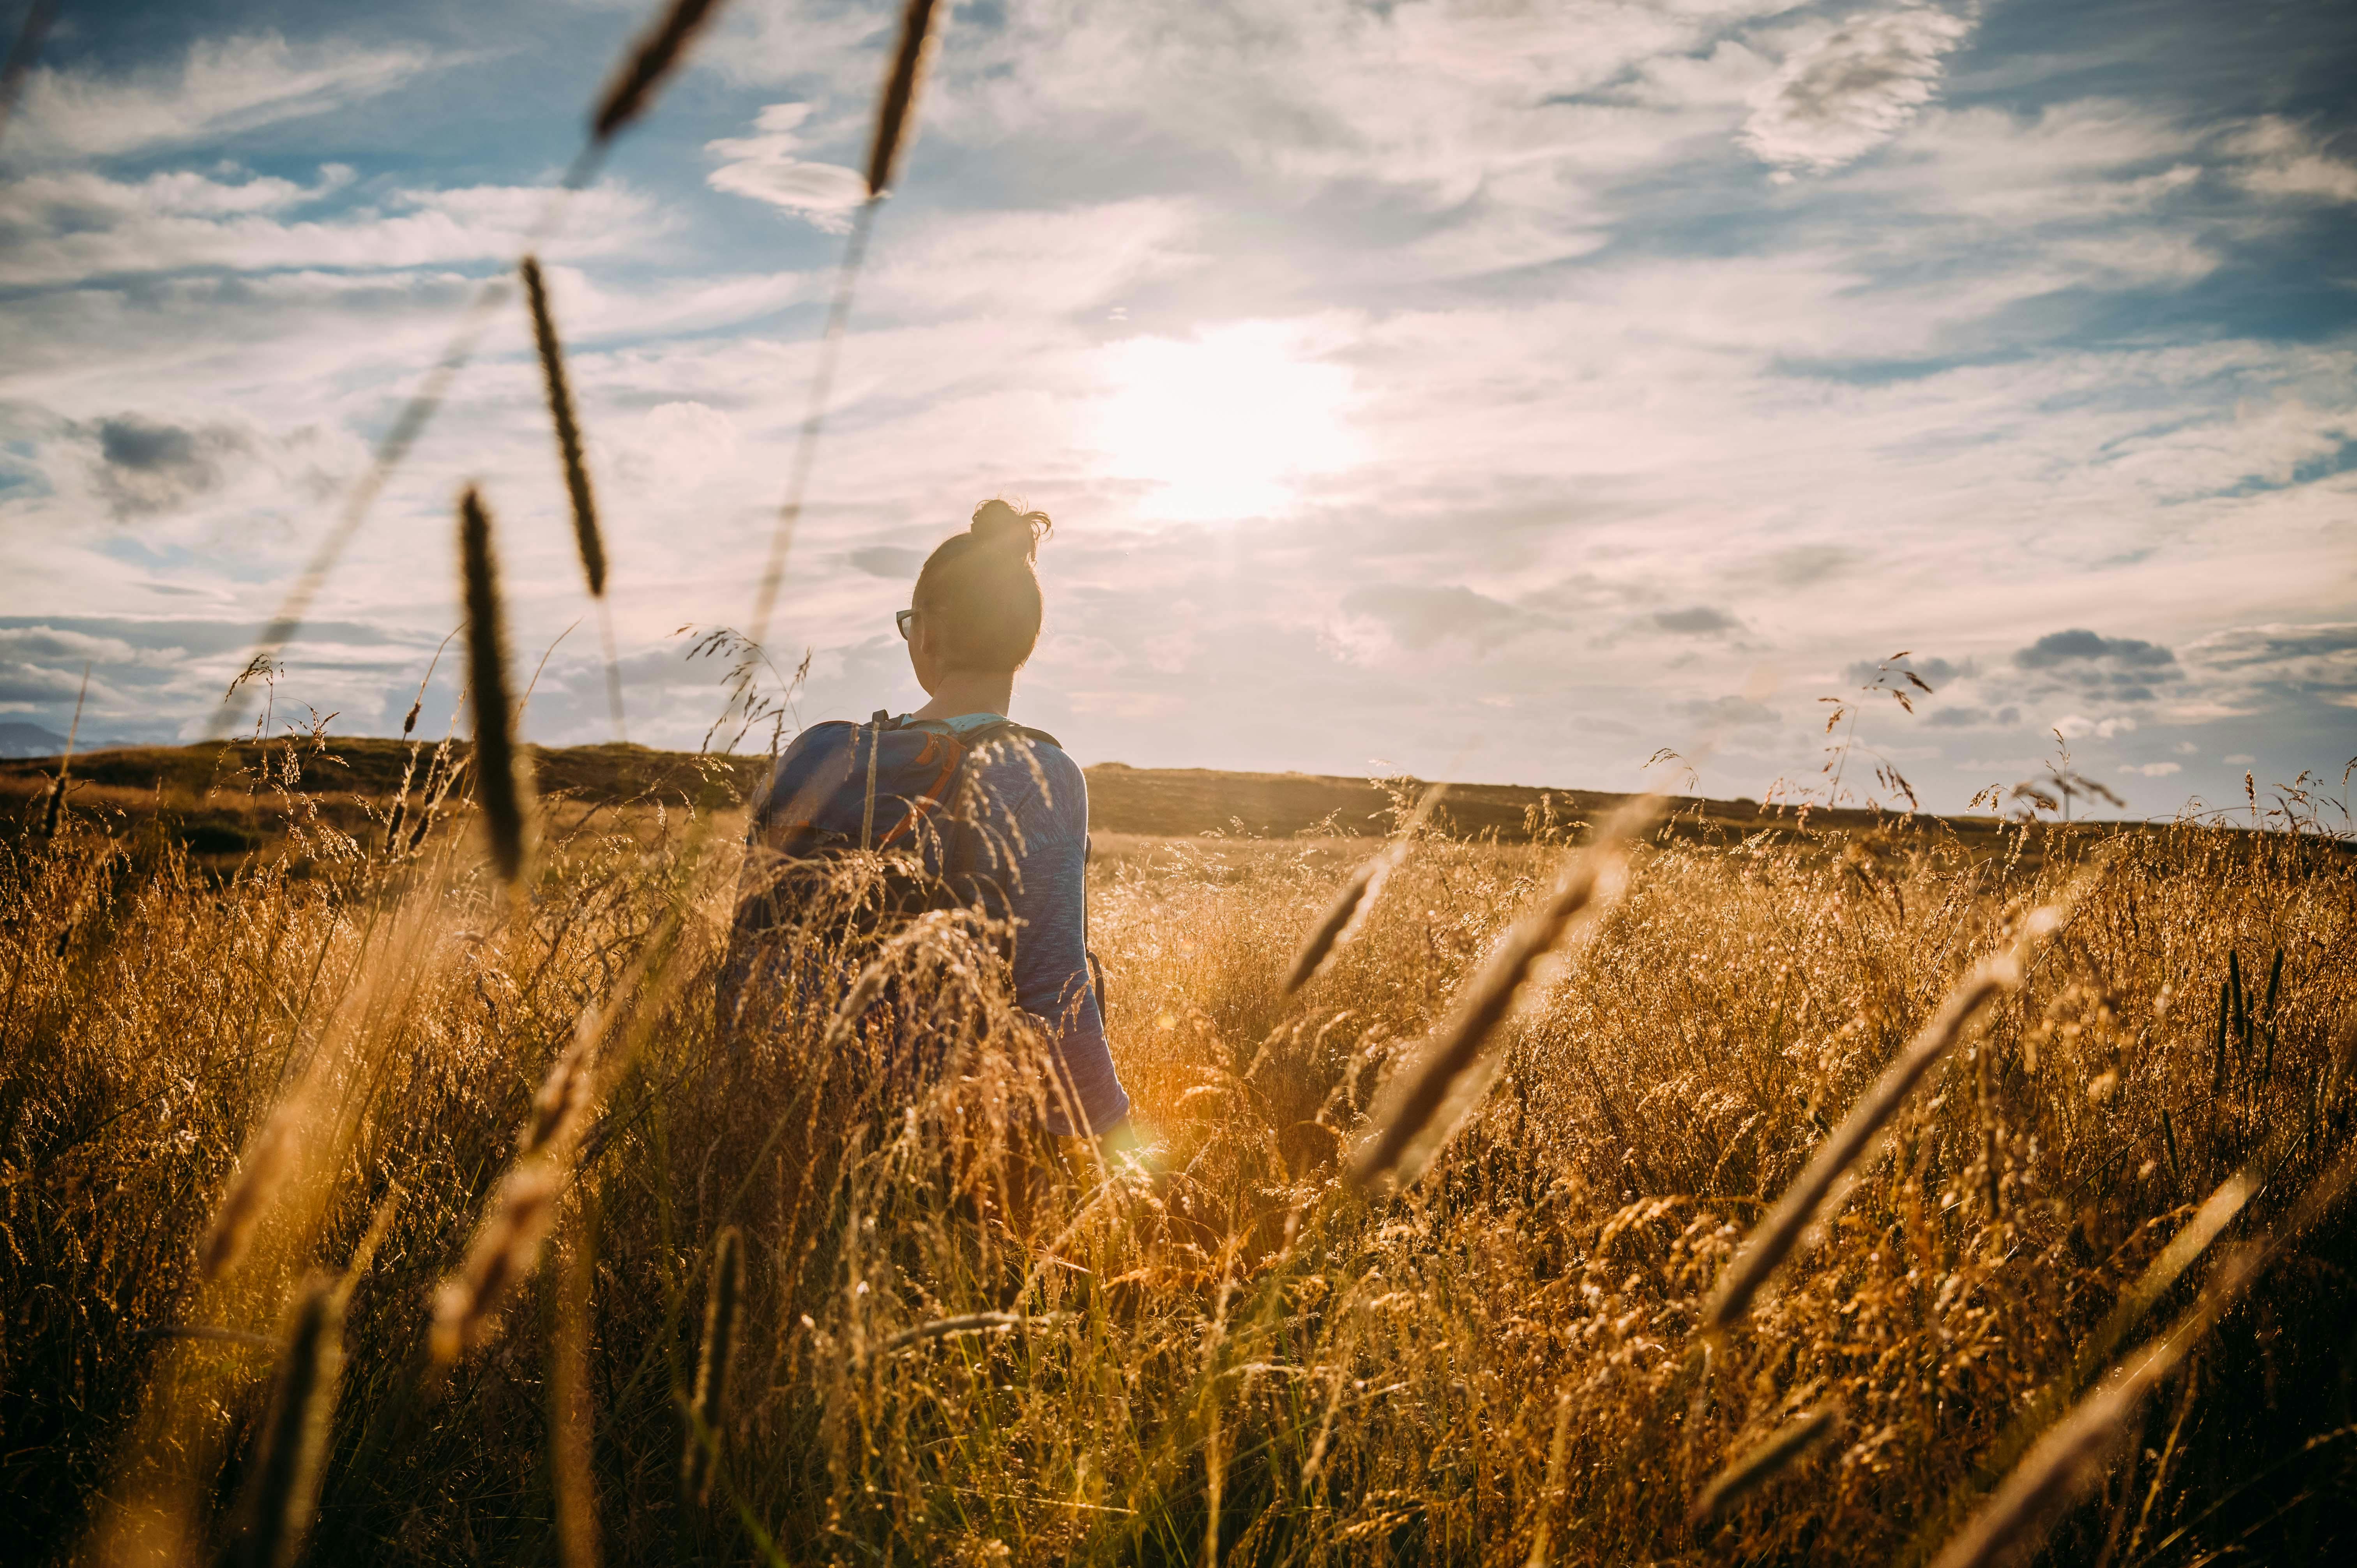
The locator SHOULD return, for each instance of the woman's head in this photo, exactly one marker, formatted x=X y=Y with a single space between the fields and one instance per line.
x=977 y=599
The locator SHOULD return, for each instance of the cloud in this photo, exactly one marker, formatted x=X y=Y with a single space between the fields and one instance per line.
x=2152 y=769
x=1419 y=617
x=1803 y=565
x=2117 y=668
x=1729 y=712
x=220 y=87
x=1973 y=718
x=80 y=226
x=140 y=466
x=763 y=167
x=1841 y=98
x=2271 y=668
x=893 y=562
x=2285 y=160
x=1939 y=672
x=145 y=466
x=36 y=641
x=1700 y=620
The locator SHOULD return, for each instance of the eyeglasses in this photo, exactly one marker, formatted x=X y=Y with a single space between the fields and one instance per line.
x=900 y=618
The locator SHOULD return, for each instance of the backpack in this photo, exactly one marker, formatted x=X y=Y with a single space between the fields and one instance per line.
x=896 y=791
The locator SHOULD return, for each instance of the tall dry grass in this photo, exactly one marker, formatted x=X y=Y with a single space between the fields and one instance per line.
x=951 y=1339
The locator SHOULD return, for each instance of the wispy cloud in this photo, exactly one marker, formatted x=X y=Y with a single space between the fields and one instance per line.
x=1839 y=98
x=764 y=168
x=219 y=88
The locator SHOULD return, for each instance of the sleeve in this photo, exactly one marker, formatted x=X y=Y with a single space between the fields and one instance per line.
x=1051 y=962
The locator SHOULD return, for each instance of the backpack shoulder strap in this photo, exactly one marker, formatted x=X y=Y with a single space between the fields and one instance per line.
x=985 y=734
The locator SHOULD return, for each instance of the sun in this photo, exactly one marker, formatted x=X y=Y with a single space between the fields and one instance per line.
x=1223 y=424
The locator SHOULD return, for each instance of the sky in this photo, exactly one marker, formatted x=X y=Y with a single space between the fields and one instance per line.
x=1483 y=390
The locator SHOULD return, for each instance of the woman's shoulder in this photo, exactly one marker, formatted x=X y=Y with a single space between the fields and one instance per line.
x=1031 y=773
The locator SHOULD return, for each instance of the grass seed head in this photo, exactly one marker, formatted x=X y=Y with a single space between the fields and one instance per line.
x=266 y=1163
x=721 y=1305
x=1343 y=917
x=501 y=781
x=1814 y=1192
x=285 y=1487
x=657 y=54
x=893 y=113
x=568 y=431
x=506 y=1249
x=1442 y=1087
x=1763 y=1464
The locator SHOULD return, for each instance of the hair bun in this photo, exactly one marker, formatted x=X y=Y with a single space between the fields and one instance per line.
x=999 y=525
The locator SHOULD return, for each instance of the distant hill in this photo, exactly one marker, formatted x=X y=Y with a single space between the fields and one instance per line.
x=20 y=738
x=214 y=801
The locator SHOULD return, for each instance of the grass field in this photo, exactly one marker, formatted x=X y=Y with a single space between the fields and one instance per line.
x=340 y=1174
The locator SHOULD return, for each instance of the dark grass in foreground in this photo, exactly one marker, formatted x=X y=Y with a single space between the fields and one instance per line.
x=950 y=1343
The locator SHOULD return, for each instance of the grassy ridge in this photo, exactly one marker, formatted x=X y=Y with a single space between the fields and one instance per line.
x=223 y=799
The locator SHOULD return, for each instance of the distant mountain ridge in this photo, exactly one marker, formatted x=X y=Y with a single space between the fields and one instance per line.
x=20 y=738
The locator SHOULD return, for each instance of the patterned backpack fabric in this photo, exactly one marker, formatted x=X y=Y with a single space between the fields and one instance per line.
x=898 y=790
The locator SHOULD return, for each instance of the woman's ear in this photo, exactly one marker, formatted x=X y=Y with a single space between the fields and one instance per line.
x=921 y=651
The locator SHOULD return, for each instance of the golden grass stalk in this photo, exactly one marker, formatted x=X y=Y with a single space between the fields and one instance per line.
x=53 y=811
x=571 y=1414
x=266 y=1164
x=1813 y=1192
x=1763 y=1464
x=561 y=1102
x=506 y=1249
x=1424 y=1108
x=501 y=781
x=523 y=1209
x=721 y=1305
x=285 y=1487
x=1558 y=1447
x=1351 y=905
x=900 y=87
x=568 y=430
x=964 y=1323
x=2093 y=1355
x=658 y=51
x=2073 y=1454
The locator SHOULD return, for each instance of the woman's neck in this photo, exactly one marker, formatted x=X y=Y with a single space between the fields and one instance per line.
x=970 y=691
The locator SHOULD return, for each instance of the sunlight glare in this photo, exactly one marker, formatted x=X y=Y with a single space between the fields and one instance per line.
x=1222 y=425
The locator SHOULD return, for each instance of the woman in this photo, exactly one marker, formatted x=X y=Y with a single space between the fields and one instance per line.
x=972 y=622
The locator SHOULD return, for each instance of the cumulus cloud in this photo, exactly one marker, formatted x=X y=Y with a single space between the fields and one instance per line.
x=1937 y=671
x=763 y=166
x=144 y=466
x=1839 y=100
x=1973 y=717
x=137 y=466
x=220 y=87
x=1699 y=620
x=2258 y=669
x=1418 y=617
x=2152 y=769
x=2120 y=669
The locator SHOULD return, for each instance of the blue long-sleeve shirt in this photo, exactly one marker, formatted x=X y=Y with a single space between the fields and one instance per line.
x=1034 y=802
